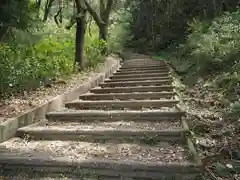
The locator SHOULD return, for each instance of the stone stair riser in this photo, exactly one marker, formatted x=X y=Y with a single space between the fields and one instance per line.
x=127 y=96
x=133 y=89
x=112 y=105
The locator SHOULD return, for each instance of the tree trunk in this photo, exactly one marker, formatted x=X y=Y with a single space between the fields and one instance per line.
x=38 y=4
x=103 y=32
x=80 y=33
x=103 y=36
x=48 y=6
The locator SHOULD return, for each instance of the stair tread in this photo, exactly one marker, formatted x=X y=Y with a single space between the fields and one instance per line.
x=148 y=74
x=132 y=94
x=143 y=111
x=121 y=104
x=93 y=154
x=35 y=176
x=138 y=81
x=104 y=126
x=131 y=89
x=125 y=101
x=134 y=87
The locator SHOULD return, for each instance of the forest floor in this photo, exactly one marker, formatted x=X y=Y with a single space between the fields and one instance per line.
x=216 y=135
x=18 y=103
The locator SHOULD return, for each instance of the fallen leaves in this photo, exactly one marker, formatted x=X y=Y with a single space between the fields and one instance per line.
x=215 y=130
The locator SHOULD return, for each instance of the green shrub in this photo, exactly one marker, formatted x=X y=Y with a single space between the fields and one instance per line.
x=31 y=59
x=214 y=49
x=29 y=65
x=93 y=47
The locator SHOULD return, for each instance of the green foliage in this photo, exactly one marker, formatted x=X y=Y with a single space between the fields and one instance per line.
x=29 y=65
x=31 y=59
x=214 y=48
x=235 y=108
x=16 y=15
x=119 y=30
x=93 y=47
x=157 y=24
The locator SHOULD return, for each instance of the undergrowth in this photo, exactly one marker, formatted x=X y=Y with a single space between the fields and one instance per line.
x=206 y=62
x=32 y=59
x=211 y=52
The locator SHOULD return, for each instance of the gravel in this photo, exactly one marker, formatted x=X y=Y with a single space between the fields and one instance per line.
x=118 y=125
x=160 y=153
x=162 y=109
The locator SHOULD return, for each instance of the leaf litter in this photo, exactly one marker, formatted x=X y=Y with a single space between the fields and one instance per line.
x=19 y=103
x=216 y=134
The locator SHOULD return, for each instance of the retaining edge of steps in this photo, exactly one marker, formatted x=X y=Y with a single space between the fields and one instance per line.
x=9 y=127
x=190 y=143
x=59 y=165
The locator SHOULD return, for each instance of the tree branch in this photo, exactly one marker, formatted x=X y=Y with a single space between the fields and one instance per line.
x=94 y=14
x=108 y=8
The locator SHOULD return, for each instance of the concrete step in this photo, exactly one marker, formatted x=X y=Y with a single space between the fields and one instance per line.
x=138 y=79
x=119 y=72
x=114 y=115
x=144 y=62
x=94 y=159
x=40 y=176
x=53 y=176
x=121 y=105
x=136 y=83
x=131 y=89
x=139 y=65
x=120 y=131
x=128 y=96
x=117 y=76
x=145 y=68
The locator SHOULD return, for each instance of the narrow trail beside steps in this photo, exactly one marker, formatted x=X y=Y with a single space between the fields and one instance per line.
x=128 y=128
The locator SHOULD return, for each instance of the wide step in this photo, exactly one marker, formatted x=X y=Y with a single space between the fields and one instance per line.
x=144 y=67
x=127 y=96
x=115 y=115
x=132 y=89
x=128 y=159
x=98 y=131
x=138 y=79
x=142 y=72
x=134 y=75
x=116 y=104
x=147 y=74
x=136 y=83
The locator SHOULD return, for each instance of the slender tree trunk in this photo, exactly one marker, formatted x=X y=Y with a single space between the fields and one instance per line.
x=48 y=6
x=80 y=32
x=103 y=36
x=154 y=24
x=103 y=32
x=39 y=3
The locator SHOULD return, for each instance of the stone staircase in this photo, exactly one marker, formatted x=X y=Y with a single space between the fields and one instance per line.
x=128 y=128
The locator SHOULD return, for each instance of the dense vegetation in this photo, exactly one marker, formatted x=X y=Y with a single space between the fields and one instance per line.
x=200 y=37
x=38 y=41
